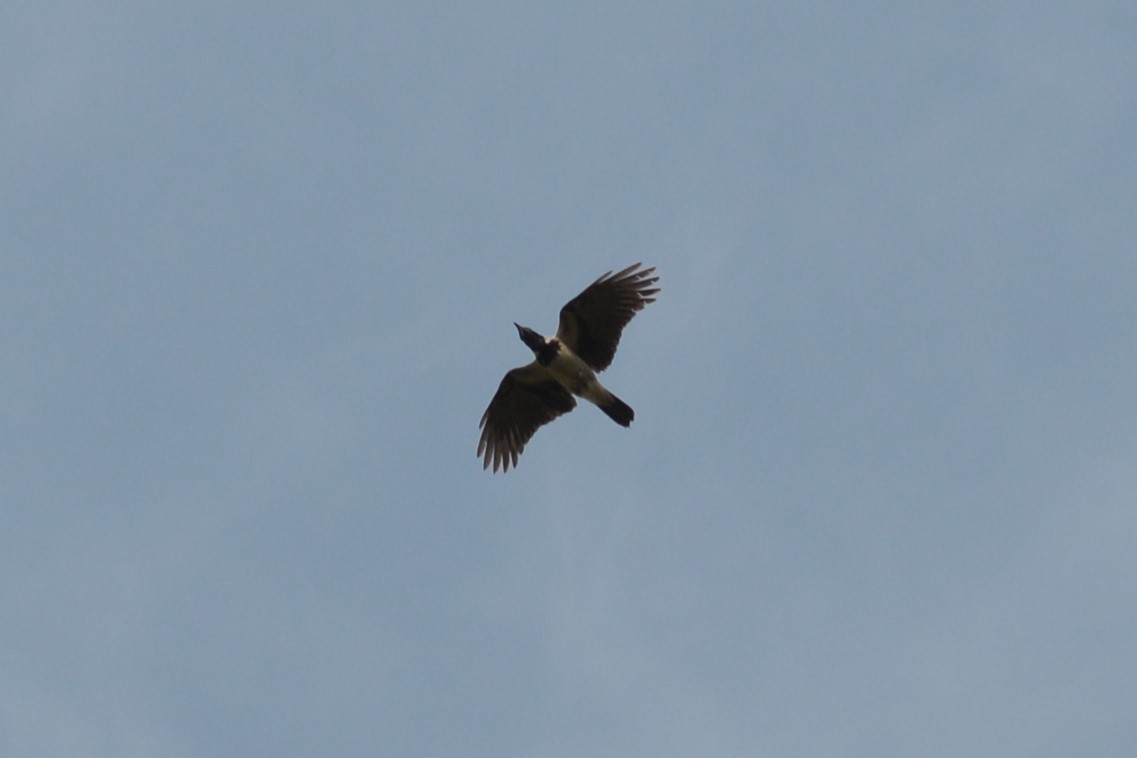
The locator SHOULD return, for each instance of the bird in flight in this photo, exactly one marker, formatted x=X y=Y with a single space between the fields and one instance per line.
x=531 y=396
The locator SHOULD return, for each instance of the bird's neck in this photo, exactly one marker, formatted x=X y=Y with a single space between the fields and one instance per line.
x=548 y=351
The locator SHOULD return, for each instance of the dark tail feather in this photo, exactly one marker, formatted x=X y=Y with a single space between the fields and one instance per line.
x=618 y=411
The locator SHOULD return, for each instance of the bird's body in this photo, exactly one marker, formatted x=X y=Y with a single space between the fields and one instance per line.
x=565 y=365
x=575 y=375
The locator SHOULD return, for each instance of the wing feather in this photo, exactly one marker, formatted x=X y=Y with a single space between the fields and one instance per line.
x=527 y=399
x=591 y=323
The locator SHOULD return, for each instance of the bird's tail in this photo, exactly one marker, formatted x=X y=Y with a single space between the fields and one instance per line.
x=617 y=410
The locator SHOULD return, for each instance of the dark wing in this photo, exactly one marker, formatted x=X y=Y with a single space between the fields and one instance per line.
x=592 y=321
x=528 y=398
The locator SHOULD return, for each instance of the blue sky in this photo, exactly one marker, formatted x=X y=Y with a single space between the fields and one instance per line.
x=261 y=267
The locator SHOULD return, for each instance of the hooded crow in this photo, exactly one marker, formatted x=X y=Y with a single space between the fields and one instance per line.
x=531 y=396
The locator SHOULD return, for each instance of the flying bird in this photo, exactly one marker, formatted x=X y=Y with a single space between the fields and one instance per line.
x=531 y=396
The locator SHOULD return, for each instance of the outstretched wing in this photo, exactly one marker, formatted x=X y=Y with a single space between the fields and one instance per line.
x=592 y=321
x=528 y=398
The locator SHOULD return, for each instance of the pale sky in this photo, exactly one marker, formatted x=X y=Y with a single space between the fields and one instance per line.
x=261 y=264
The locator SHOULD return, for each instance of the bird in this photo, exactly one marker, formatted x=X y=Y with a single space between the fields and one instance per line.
x=565 y=366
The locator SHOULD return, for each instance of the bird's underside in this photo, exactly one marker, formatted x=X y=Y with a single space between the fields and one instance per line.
x=565 y=365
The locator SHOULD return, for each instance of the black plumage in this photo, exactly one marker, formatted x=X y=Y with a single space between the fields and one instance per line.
x=591 y=323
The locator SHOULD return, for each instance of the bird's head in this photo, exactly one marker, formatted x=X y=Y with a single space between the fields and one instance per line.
x=529 y=337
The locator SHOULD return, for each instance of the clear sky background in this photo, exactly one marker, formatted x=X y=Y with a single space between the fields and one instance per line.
x=260 y=267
